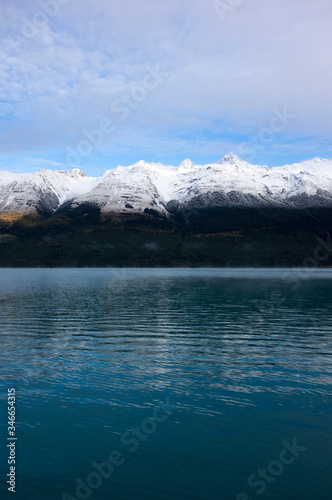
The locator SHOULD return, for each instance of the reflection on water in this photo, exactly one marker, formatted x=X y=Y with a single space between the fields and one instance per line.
x=244 y=356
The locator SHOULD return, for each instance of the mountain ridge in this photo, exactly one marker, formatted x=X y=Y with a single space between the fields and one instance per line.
x=229 y=213
x=145 y=185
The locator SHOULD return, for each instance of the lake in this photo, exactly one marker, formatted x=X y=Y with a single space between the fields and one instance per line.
x=139 y=384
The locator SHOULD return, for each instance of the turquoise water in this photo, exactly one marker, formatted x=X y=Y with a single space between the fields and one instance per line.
x=192 y=380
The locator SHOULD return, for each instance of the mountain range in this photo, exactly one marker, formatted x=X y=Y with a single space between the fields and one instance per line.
x=230 y=181
x=226 y=213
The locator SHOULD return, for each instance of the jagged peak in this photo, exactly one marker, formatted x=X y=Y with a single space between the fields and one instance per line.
x=140 y=163
x=230 y=158
x=76 y=172
x=186 y=164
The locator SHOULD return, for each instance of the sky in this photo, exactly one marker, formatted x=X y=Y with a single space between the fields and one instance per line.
x=92 y=84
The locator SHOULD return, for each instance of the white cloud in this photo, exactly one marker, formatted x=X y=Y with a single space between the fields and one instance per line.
x=226 y=77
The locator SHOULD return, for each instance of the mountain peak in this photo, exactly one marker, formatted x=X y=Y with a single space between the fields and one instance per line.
x=76 y=172
x=231 y=158
x=186 y=164
x=140 y=163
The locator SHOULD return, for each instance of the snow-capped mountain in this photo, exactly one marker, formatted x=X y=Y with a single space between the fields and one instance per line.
x=42 y=191
x=229 y=181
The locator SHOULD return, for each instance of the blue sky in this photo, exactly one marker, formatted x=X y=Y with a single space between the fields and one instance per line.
x=97 y=83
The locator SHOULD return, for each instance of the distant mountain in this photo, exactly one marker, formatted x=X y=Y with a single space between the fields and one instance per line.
x=226 y=213
x=228 y=182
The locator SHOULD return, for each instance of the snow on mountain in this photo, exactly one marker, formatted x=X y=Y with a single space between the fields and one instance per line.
x=44 y=190
x=153 y=185
x=307 y=177
x=229 y=174
x=137 y=187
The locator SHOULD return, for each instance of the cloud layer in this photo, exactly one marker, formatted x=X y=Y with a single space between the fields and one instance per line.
x=175 y=78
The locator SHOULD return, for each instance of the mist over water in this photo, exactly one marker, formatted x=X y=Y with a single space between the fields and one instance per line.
x=243 y=356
